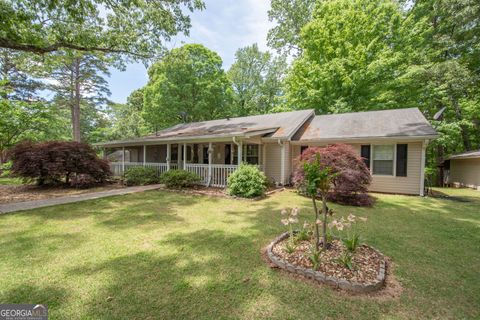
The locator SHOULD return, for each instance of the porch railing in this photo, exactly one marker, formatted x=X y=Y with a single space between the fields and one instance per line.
x=219 y=172
x=117 y=167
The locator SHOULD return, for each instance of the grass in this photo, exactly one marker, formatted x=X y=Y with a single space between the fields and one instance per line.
x=10 y=181
x=161 y=255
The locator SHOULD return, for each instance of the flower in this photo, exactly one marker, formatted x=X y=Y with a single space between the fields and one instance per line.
x=351 y=218
x=319 y=222
x=339 y=226
x=364 y=219
x=292 y=220
x=295 y=212
x=306 y=225
x=283 y=212
x=285 y=221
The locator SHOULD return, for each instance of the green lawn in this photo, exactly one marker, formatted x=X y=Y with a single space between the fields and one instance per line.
x=9 y=181
x=161 y=255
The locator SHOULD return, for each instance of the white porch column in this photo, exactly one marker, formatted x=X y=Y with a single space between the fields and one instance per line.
x=240 y=151
x=210 y=155
x=179 y=156
x=123 y=160
x=264 y=157
x=282 y=162
x=169 y=155
x=144 y=154
x=184 y=156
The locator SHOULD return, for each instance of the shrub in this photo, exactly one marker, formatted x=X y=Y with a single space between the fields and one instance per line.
x=82 y=181
x=139 y=176
x=56 y=162
x=352 y=177
x=247 y=182
x=177 y=179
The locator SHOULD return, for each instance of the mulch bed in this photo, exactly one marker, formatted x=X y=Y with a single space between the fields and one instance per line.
x=22 y=193
x=366 y=261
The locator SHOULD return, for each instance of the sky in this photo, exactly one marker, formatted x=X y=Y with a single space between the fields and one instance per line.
x=223 y=26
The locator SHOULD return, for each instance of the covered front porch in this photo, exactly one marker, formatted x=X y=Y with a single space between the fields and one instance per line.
x=212 y=161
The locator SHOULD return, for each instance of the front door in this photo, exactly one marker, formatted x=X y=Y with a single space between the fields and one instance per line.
x=228 y=154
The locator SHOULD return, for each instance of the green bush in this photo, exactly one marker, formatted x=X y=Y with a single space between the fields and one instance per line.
x=247 y=182
x=139 y=176
x=177 y=179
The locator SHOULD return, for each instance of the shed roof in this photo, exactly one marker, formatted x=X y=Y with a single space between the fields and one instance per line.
x=466 y=155
x=408 y=122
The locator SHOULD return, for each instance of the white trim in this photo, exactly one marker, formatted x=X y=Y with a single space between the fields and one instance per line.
x=144 y=155
x=422 y=168
x=394 y=173
x=169 y=155
x=282 y=162
x=364 y=140
x=210 y=152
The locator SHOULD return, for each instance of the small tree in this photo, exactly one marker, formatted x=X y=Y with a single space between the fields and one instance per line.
x=350 y=185
x=317 y=181
x=56 y=162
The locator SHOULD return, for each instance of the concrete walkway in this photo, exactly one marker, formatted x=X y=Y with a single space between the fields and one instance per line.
x=27 y=205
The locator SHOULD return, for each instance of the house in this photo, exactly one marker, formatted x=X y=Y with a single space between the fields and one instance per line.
x=463 y=170
x=392 y=142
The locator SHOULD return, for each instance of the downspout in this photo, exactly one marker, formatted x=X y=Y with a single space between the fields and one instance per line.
x=282 y=161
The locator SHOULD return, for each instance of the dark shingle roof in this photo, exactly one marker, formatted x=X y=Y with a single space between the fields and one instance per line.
x=466 y=155
x=371 y=124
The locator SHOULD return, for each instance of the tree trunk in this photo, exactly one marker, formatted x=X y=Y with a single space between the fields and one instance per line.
x=324 y=211
x=317 y=233
x=76 y=101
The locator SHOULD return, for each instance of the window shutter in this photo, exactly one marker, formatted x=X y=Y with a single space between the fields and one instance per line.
x=365 y=154
x=402 y=156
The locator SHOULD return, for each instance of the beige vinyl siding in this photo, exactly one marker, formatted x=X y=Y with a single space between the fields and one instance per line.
x=273 y=162
x=391 y=184
x=465 y=172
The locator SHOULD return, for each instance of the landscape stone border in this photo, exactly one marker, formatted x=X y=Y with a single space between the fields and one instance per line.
x=321 y=277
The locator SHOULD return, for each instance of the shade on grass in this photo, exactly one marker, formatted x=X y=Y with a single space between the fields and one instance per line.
x=161 y=255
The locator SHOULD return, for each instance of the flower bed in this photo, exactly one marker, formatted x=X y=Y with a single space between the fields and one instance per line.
x=367 y=275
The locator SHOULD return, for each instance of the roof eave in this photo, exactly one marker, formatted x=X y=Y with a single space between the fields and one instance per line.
x=356 y=139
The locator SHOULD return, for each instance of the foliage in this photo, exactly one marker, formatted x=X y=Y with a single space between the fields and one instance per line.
x=345 y=260
x=133 y=28
x=82 y=181
x=353 y=52
x=352 y=239
x=352 y=177
x=247 y=182
x=304 y=233
x=317 y=179
x=290 y=219
x=139 y=176
x=187 y=84
x=127 y=118
x=177 y=179
x=79 y=84
x=57 y=162
x=314 y=256
x=257 y=79
x=290 y=16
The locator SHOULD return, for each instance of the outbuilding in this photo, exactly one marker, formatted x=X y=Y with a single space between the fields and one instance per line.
x=464 y=169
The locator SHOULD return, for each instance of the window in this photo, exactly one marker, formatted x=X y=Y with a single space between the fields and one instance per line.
x=251 y=153
x=402 y=156
x=205 y=154
x=365 y=154
x=303 y=148
x=383 y=156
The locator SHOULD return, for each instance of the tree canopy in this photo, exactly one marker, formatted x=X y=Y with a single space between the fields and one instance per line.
x=188 y=84
x=257 y=79
x=135 y=28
